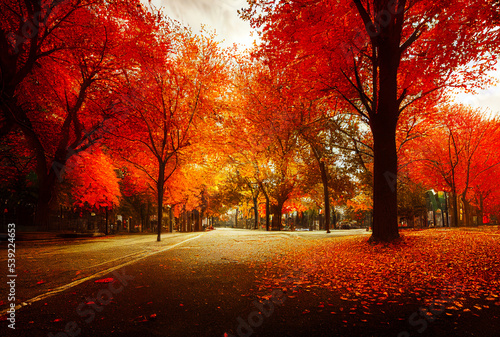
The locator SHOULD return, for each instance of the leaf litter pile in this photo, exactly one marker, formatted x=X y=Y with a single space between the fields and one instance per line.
x=456 y=269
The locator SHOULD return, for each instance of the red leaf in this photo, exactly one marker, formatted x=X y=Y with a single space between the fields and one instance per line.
x=105 y=280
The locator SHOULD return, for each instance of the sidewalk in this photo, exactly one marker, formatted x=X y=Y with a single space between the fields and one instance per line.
x=50 y=236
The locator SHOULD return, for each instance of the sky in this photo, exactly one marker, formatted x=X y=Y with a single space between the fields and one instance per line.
x=488 y=98
x=218 y=15
x=222 y=16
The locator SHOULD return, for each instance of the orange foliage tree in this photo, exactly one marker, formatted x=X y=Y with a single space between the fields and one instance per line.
x=267 y=138
x=178 y=83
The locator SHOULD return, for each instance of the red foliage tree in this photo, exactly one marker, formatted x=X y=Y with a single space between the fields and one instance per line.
x=381 y=57
x=458 y=155
x=60 y=65
x=93 y=181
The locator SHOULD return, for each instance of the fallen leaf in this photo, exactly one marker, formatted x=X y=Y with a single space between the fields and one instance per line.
x=105 y=280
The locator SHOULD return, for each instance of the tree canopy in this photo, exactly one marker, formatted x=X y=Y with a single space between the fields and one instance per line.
x=104 y=102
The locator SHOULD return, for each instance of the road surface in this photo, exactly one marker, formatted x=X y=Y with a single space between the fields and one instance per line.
x=189 y=284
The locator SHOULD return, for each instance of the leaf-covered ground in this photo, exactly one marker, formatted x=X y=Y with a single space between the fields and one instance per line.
x=453 y=269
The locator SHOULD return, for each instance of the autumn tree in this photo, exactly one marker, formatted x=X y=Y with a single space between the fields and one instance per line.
x=380 y=57
x=137 y=196
x=180 y=79
x=246 y=158
x=60 y=104
x=30 y=31
x=331 y=139
x=458 y=156
x=91 y=185
x=270 y=136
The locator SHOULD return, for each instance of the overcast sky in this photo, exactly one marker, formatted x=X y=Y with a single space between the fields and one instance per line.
x=218 y=15
x=487 y=98
x=222 y=16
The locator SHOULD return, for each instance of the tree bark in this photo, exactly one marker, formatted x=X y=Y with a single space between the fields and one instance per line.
x=106 y=230
x=326 y=195
x=481 y=209
x=455 y=208
x=42 y=212
x=256 y=213
x=170 y=222
x=385 y=202
x=383 y=124
x=197 y=224
x=148 y=223
x=184 y=221
x=160 y=188
x=277 y=211
x=334 y=218
x=268 y=206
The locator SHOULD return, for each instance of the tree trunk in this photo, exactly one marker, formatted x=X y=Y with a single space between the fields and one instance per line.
x=454 y=197
x=143 y=219
x=481 y=209
x=42 y=212
x=170 y=222
x=326 y=195
x=160 y=188
x=147 y=216
x=334 y=218
x=383 y=124
x=268 y=206
x=385 y=201
x=268 y=212
x=197 y=227
x=106 y=230
x=46 y=183
x=467 y=219
x=447 y=208
x=184 y=218
x=277 y=211
x=256 y=213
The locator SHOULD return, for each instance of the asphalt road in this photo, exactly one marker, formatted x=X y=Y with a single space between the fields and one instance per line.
x=190 y=284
